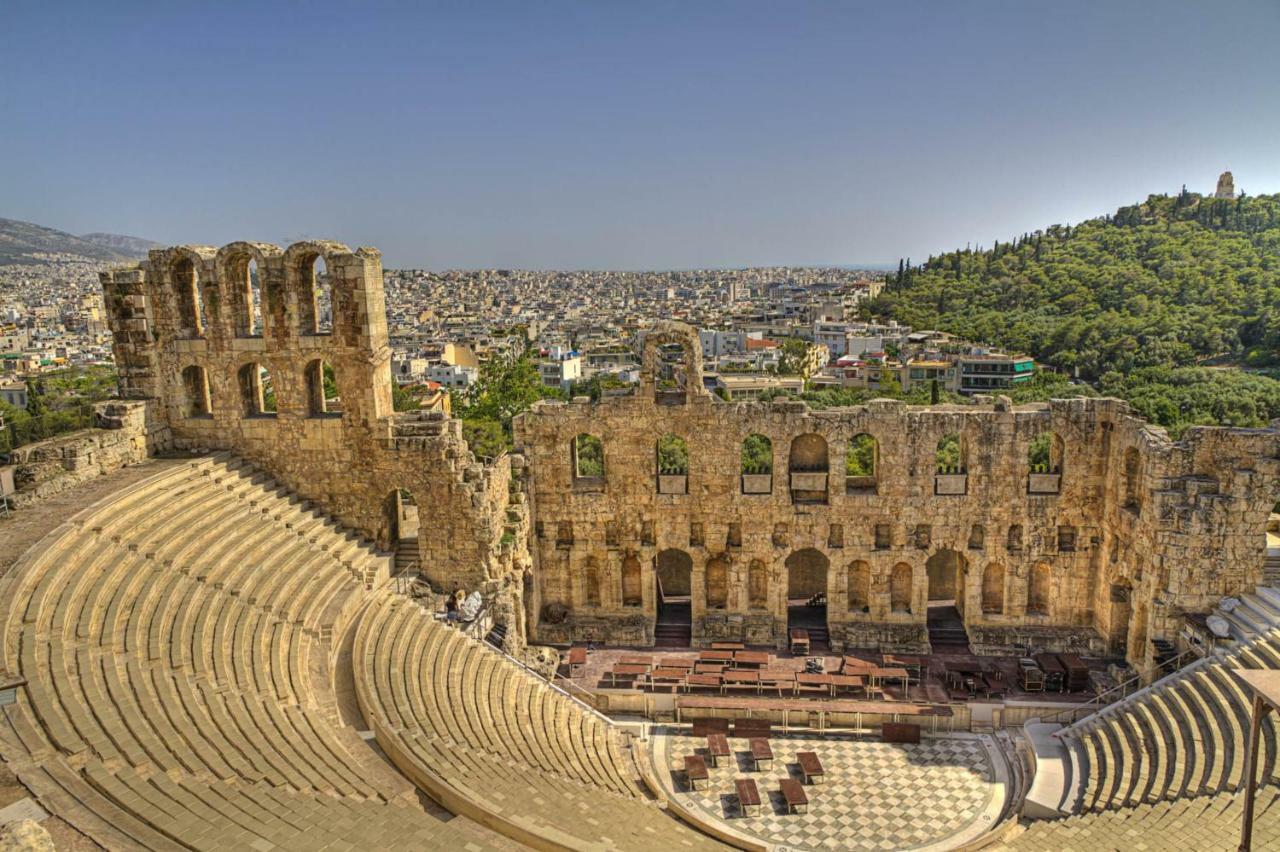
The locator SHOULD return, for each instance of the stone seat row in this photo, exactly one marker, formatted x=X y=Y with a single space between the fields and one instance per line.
x=469 y=725
x=165 y=668
x=1186 y=736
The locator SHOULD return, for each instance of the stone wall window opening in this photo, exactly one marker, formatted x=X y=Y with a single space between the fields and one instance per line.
x=733 y=537
x=716 y=580
x=757 y=585
x=1038 y=590
x=192 y=319
x=672 y=459
x=900 y=590
x=950 y=466
x=195 y=385
x=807 y=571
x=861 y=462
x=946 y=571
x=247 y=303
x=808 y=464
x=400 y=518
x=587 y=455
x=858 y=587
x=977 y=537
x=1066 y=539
x=1132 y=479
x=322 y=390
x=757 y=465
x=670 y=380
x=316 y=296
x=632 y=591
x=1044 y=464
x=883 y=536
x=1013 y=543
x=257 y=391
x=564 y=534
x=993 y=589
x=673 y=575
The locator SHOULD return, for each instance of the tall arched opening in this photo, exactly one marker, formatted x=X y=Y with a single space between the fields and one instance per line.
x=673 y=570
x=945 y=572
x=400 y=528
x=807 y=594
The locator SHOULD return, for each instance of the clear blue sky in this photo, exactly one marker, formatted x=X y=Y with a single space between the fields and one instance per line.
x=626 y=135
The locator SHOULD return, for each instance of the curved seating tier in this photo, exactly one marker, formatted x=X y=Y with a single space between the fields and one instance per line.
x=477 y=731
x=174 y=640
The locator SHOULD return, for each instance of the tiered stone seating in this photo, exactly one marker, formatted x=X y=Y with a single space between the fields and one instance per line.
x=1185 y=736
x=487 y=738
x=174 y=640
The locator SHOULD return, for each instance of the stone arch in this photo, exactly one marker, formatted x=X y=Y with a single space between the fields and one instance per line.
x=993 y=589
x=757 y=585
x=900 y=591
x=257 y=390
x=977 y=537
x=858 y=586
x=1039 y=589
x=241 y=270
x=1045 y=453
x=189 y=293
x=586 y=454
x=323 y=399
x=808 y=463
x=1013 y=542
x=861 y=463
x=301 y=279
x=675 y=573
x=681 y=385
x=945 y=570
x=195 y=386
x=716 y=582
x=806 y=573
x=632 y=591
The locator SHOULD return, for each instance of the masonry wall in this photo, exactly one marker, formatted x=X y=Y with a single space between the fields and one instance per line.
x=1194 y=533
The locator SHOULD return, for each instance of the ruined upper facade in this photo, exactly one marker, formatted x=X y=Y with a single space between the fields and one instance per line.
x=1097 y=543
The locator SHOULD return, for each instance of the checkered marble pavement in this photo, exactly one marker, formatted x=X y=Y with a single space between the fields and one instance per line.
x=876 y=796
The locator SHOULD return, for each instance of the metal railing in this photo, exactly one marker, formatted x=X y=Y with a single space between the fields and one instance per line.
x=1122 y=690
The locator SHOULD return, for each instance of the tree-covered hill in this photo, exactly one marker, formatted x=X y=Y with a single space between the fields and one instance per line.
x=1170 y=282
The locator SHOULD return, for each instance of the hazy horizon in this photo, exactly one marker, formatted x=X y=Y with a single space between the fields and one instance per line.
x=619 y=137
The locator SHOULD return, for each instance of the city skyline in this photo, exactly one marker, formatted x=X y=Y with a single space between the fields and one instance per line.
x=570 y=136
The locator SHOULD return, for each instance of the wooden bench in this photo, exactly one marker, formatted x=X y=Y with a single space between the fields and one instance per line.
x=717 y=747
x=715 y=657
x=577 y=659
x=750 y=728
x=727 y=646
x=626 y=671
x=793 y=794
x=900 y=732
x=810 y=766
x=695 y=770
x=750 y=659
x=702 y=681
x=748 y=796
x=761 y=753
x=702 y=727
x=799 y=641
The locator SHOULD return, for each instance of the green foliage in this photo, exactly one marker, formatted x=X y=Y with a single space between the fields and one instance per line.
x=402 y=399
x=673 y=456
x=1039 y=453
x=1194 y=396
x=791 y=356
x=860 y=460
x=948 y=457
x=1159 y=284
x=486 y=438
x=503 y=390
x=588 y=453
x=757 y=454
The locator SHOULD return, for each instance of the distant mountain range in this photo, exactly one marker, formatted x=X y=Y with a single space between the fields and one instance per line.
x=21 y=242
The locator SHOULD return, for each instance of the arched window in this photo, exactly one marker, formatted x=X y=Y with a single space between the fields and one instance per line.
x=808 y=464
x=860 y=464
x=977 y=537
x=1132 y=476
x=322 y=390
x=315 y=297
x=195 y=382
x=1038 y=590
x=632 y=595
x=757 y=585
x=1044 y=463
x=1014 y=542
x=900 y=588
x=588 y=457
x=859 y=586
x=245 y=288
x=191 y=314
x=993 y=588
x=672 y=458
x=257 y=391
x=591 y=581
x=717 y=582
x=949 y=457
x=757 y=465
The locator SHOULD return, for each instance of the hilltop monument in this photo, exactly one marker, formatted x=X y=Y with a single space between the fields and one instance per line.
x=1226 y=186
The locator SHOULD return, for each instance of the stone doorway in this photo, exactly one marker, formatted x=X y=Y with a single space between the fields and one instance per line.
x=400 y=522
x=807 y=595
x=673 y=573
x=1121 y=616
x=946 y=571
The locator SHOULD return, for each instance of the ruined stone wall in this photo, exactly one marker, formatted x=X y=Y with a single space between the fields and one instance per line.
x=1037 y=568
x=186 y=337
x=123 y=434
